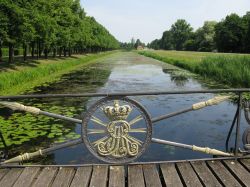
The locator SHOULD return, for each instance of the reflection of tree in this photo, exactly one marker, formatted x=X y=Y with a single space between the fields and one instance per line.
x=168 y=71
x=179 y=78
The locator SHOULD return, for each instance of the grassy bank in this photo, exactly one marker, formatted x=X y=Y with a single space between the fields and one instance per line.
x=231 y=69
x=21 y=78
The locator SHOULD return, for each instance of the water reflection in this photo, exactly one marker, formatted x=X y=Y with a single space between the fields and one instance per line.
x=179 y=77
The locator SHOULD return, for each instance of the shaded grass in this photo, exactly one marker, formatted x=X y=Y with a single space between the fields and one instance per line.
x=24 y=78
x=17 y=51
x=231 y=69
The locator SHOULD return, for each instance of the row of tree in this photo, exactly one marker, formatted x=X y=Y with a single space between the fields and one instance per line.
x=231 y=34
x=50 y=27
x=133 y=44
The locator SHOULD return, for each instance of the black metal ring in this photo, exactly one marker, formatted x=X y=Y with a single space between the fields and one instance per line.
x=146 y=117
x=246 y=138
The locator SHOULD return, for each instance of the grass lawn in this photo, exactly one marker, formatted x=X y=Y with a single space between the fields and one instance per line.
x=21 y=77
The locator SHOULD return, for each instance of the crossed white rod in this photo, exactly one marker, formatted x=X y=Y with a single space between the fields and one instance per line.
x=197 y=106
x=206 y=150
x=34 y=110
x=41 y=152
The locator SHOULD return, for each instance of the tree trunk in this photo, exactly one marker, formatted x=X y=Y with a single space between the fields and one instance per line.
x=11 y=53
x=37 y=49
x=64 y=51
x=33 y=49
x=24 y=52
x=54 y=52
x=40 y=50
x=46 y=53
x=60 y=52
x=1 y=52
x=69 y=51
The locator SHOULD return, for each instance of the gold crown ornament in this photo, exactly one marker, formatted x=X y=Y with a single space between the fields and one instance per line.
x=117 y=112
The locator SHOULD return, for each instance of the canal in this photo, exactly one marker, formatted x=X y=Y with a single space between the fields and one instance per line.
x=121 y=72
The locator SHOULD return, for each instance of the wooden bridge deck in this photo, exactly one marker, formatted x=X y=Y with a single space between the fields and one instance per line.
x=187 y=173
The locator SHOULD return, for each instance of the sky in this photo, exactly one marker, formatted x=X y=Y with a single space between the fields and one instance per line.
x=148 y=19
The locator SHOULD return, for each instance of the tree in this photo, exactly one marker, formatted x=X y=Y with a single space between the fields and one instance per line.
x=57 y=26
x=155 y=44
x=166 y=41
x=191 y=44
x=3 y=31
x=204 y=38
x=27 y=30
x=246 y=40
x=229 y=34
x=181 y=32
x=137 y=43
x=15 y=20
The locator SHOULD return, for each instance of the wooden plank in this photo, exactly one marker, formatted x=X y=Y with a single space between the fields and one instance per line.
x=170 y=175
x=135 y=176
x=151 y=175
x=223 y=174
x=46 y=177
x=10 y=178
x=239 y=171
x=205 y=174
x=82 y=177
x=3 y=172
x=116 y=176
x=246 y=163
x=27 y=176
x=99 y=176
x=64 y=177
x=188 y=174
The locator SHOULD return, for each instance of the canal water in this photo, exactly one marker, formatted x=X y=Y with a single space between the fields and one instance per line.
x=121 y=72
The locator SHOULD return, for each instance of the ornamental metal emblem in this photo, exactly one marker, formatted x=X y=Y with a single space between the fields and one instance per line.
x=116 y=129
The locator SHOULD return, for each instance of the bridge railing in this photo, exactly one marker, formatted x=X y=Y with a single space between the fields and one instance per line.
x=118 y=129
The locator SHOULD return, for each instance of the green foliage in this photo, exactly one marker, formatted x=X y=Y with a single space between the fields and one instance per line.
x=166 y=41
x=137 y=43
x=204 y=37
x=51 y=26
x=231 y=35
x=231 y=69
x=155 y=44
x=246 y=40
x=181 y=31
x=176 y=38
